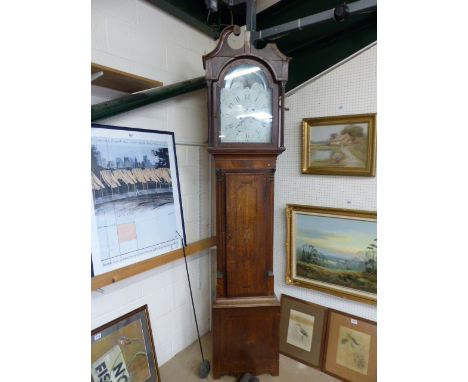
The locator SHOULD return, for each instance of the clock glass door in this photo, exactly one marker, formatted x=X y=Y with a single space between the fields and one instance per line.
x=246 y=106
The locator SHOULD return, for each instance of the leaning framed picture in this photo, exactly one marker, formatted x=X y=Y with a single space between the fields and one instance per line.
x=136 y=210
x=302 y=330
x=343 y=145
x=332 y=250
x=351 y=352
x=123 y=350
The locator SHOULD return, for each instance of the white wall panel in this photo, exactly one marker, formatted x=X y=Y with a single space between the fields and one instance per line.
x=348 y=89
x=137 y=37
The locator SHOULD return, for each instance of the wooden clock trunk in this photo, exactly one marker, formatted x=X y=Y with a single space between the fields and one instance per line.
x=246 y=312
x=246 y=336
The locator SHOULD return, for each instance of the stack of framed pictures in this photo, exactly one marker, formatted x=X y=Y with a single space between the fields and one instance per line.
x=123 y=350
x=351 y=348
x=302 y=330
x=337 y=343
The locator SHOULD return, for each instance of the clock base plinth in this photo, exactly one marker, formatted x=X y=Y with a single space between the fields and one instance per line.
x=246 y=336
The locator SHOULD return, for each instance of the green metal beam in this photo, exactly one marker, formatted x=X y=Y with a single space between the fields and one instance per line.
x=191 y=12
x=326 y=52
x=145 y=97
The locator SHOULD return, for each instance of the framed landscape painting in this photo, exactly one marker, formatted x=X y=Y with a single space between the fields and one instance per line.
x=343 y=145
x=136 y=209
x=123 y=350
x=302 y=330
x=351 y=352
x=333 y=250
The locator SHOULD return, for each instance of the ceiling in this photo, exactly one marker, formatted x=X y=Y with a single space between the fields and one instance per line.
x=313 y=49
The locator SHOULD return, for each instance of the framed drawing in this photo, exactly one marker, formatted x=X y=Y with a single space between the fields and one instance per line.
x=332 y=250
x=123 y=350
x=136 y=207
x=302 y=330
x=343 y=145
x=351 y=353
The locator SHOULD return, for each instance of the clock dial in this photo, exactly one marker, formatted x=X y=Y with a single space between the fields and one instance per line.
x=246 y=106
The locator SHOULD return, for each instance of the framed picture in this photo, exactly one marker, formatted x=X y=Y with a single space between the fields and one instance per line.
x=136 y=209
x=343 y=145
x=123 y=350
x=332 y=250
x=302 y=330
x=351 y=352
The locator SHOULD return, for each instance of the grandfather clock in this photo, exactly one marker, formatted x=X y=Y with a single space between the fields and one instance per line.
x=245 y=137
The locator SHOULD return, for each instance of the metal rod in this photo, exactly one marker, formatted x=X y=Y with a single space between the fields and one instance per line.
x=283 y=85
x=278 y=30
x=191 y=296
x=251 y=15
x=145 y=97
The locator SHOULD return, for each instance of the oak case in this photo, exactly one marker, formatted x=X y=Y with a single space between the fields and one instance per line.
x=245 y=312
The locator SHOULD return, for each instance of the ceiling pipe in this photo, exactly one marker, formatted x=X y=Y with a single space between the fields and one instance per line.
x=145 y=97
x=340 y=13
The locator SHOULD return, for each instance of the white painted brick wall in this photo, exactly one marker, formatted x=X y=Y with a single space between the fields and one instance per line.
x=348 y=89
x=137 y=37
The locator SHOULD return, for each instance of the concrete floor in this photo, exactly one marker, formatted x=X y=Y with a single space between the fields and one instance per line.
x=185 y=365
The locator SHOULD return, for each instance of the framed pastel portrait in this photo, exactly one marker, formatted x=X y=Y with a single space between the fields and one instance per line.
x=123 y=350
x=302 y=330
x=351 y=351
x=343 y=145
x=332 y=250
x=136 y=209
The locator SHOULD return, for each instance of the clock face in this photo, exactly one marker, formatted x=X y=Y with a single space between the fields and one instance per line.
x=246 y=106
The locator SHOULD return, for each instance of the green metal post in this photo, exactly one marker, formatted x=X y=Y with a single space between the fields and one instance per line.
x=145 y=97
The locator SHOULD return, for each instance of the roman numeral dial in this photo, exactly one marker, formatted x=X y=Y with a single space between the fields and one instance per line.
x=246 y=106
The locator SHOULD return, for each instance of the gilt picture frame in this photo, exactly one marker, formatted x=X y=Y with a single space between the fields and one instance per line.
x=351 y=348
x=302 y=330
x=332 y=250
x=123 y=349
x=340 y=145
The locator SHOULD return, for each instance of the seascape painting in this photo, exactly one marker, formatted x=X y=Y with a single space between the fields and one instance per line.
x=136 y=210
x=336 y=252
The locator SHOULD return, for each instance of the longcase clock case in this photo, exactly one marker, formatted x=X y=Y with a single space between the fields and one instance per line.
x=246 y=311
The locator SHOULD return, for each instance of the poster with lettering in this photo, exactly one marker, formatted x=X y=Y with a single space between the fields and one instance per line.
x=136 y=209
x=123 y=350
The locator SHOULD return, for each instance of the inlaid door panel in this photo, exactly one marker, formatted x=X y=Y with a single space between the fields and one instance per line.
x=247 y=216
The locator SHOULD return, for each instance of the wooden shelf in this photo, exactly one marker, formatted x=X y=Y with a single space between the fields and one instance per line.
x=122 y=81
x=143 y=266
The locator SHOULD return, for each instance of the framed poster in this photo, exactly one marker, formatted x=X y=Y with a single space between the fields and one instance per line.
x=333 y=250
x=123 y=350
x=302 y=330
x=343 y=145
x=351 y=352
x=136 y=208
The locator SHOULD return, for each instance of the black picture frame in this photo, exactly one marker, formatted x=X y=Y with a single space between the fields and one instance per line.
x=136 y=177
